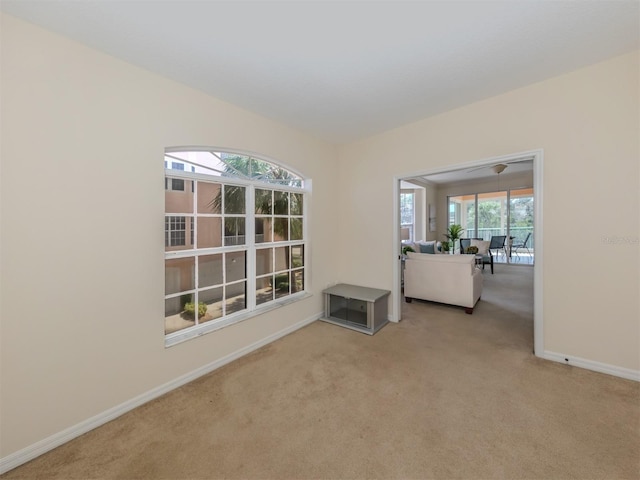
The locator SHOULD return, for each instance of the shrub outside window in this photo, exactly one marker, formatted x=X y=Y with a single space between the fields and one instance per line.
x=234 y=239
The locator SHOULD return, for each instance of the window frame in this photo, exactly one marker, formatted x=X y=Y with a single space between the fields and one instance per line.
x=252 y=308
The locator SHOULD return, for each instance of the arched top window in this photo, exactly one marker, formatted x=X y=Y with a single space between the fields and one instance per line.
x=231 y=164
x=235 y=239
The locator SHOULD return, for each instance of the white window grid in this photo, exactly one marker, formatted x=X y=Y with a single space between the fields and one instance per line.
x=249 y=244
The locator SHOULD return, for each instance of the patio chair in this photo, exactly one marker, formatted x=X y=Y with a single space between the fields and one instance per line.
x=497 y=243
x=516 y=246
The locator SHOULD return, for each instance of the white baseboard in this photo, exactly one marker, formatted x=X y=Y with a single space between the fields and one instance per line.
x=592 y=365
x=29 y=453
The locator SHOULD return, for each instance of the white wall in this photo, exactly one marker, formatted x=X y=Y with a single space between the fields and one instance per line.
x=83 y=138
x=588 y=124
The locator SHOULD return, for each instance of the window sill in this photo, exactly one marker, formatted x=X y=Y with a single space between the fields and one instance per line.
x=193 y=332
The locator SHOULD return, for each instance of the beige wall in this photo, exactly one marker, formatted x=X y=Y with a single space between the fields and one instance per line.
x=83 y=138
x=587 y=122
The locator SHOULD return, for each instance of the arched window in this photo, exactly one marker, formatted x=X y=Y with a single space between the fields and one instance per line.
x=234 y=238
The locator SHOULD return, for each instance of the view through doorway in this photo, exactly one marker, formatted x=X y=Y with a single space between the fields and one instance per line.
x=499 y=207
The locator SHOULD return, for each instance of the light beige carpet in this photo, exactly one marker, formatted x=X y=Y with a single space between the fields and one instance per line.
x=442 y=395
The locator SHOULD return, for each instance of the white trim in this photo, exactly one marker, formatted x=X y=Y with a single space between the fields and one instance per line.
x=538 y=275
x=396 y=307
x=614 y=370
x=26 y=454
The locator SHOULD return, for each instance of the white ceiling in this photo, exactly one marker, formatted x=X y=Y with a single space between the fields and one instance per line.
x=345 y=70
x=516 y=166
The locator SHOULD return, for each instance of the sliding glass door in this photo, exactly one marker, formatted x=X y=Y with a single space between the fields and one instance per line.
x=485 y=215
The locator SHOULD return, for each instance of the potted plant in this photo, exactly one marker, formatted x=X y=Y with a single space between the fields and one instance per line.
x=454 y=232
x=445 y=246
x=406 y=249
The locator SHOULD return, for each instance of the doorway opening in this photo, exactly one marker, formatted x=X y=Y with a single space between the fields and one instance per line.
x=521 y=200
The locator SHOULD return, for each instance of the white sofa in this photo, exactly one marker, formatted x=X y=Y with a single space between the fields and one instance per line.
x=451 y=279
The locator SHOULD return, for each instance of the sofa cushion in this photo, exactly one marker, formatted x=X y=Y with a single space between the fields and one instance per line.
x=483 y=246
x=428 y=247
x=421 y=243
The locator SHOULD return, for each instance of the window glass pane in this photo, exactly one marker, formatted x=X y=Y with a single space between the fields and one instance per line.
x=521 y=216
x=296 y=229
x=296 y=204
x=236 y=165
x=282 y=284
x=264 y=290
x=281 y=203
x=210 y=270
x=235 y=266
x=469 y=217
x=235 y=297
x=209 y=232
x=178 y=232
x=297 y=256
x=276 y=174
x=406 y=208
x=264 y=261
x=233 y=199
x=263 y=230
x=492 y=214
x=178 y=200
x=263 y=201
x=207 y=162
x=282 y=258
x=212 y=298
x=281 y=229
x=407 y=215
x=234 y=231
x=179 y=275
x=297 y=281
x=174 y=318
x=209 y=197
x=258 y=168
